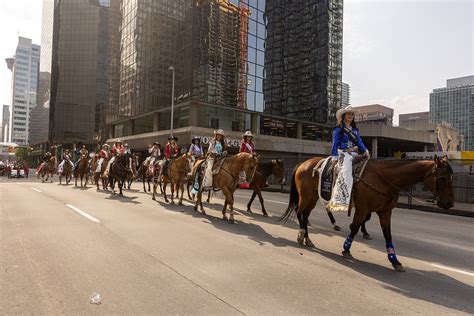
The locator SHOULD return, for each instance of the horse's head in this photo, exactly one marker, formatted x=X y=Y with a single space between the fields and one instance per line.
x=250 y=165
x=278 y=170
x=440 y=182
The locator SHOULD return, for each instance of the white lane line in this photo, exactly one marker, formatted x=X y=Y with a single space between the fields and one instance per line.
x=83 y=213
x=451 y=269
x=35 y=189
x=273 y=201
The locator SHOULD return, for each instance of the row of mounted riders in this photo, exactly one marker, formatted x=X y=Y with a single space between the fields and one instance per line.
x=377 y=191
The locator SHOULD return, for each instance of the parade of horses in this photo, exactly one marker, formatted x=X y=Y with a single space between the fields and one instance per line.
x=348 y=181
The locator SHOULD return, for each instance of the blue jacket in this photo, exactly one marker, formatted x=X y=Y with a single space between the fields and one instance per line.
x=344 y=141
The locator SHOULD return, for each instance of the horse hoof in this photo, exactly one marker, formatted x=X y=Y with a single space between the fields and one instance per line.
x=309 y=243
x=300 y=237
x=399 y=267
x=153 y=198
x=180 y=203
x=336 y=228
x=225 y=218
x=347 y=255
x=231 y=221
x=265 y=214
x=367 y=237
x=249 y=211
x=172 y=202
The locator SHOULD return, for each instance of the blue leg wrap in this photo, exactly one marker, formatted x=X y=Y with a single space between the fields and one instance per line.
x=348 y=243
x=392 y=257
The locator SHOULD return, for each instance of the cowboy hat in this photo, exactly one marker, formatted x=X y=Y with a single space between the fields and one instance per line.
x=247 y=134
x=343 y=111
x=196 y=138
x=173 y=137
x=220 y=132
x=118 y=141
x=105 y=145
x=126 y=145
x=156 y=143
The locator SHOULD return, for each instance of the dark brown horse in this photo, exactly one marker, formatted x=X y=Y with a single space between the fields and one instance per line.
x=377 y=191
x=227 y=180
x=264 y=170
x=67 y=172
x=49 y=169
x=98 y=176
x=119 y=171
x=134 y=173
x=145 y=175
x=82 y=171
x=178 y=168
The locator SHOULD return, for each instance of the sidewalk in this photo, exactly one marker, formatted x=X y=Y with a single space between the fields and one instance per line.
x=459 y=209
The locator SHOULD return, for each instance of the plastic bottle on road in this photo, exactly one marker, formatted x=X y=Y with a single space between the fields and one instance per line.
x=95 y=298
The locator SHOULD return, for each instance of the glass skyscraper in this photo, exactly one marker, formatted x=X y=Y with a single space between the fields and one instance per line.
x=76 y=34
x=237 y=66
x=25 y=69
x=455 y=104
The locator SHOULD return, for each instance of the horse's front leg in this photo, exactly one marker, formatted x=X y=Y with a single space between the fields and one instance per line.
x=358 y=220
x=364 y=229
x=260 y=197
x=385 y=218
x=180 y=186
x=254 y=194
x=165 y=184
x=333 y=220
x=228 y=201
x=172 y=185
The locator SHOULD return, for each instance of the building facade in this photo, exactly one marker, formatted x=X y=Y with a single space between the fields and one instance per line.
x=76 y=33
x=25 y=69
x=374 y=113
x=228 y=57
x=5 y=123
x=346 y=95
x=454 y=104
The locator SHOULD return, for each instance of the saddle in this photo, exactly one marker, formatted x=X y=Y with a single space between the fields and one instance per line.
x=328 y=175
x=218 y=162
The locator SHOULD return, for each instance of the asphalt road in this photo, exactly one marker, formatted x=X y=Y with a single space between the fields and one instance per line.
x=59 y=244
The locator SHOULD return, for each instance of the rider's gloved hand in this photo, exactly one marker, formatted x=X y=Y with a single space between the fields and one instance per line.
x=367 y=153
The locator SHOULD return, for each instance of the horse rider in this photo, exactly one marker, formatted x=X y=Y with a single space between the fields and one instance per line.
x=66 y=159
x=217 y=148
x=347 y=144
x=117 y=150
x=155 y=154
x=196 y=149
x=46 y=158
x=103 y=155
x=246 y=146
x=171 y=152
x=127 y=149
x=82 y=152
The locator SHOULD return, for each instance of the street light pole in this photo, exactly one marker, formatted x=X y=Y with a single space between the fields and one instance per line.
x=172 y=101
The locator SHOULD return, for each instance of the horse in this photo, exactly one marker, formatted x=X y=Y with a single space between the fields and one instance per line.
x=264 y=170
x=82 y=170
x=227 y=180
x=133 y=174
x=49 y=169
x=67 y=172
x=376 y=191
x=119 y=171
x=144 y=174
x=97 y=176
x=178 y=168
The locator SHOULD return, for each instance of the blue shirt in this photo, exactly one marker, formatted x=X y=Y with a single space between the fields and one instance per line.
x=218 y=148
x=345 y=141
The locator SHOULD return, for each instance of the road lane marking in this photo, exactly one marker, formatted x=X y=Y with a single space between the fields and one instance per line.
x=83 y=213
x=451 y=269
x=35 y=189
x=273 y=201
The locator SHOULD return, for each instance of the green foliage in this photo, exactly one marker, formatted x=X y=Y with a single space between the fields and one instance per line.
x=21 y=153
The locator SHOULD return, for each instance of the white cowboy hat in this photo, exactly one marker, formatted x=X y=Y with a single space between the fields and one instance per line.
x=348 y=109
x=220 y=132
x=248 y=134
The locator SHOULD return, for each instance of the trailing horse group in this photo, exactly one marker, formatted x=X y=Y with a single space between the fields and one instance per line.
x=376 y=190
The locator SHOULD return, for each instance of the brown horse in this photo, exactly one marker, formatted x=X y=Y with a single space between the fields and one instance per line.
x=98 y=175
x=264 y=170
x=134 y=173
x=67 y=172
x=377 y=191
x=178 y=168
x=82 y=170
x=49 y=170
x=145 y=175
x=119 y=171
x=227 y=180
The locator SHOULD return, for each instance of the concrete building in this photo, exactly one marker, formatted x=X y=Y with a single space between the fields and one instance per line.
x=230 y=72
x=25 y=68
x=454 y=104
x=346 y=95
x=5 y=123
x=448 y=137
x=374 y=113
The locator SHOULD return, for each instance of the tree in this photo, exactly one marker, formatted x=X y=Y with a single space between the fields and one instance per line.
x=21 y=153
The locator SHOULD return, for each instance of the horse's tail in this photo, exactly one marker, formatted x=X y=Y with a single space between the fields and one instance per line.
x=294 y=198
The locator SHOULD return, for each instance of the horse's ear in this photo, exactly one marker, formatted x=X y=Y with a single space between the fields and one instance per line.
x=445 y=158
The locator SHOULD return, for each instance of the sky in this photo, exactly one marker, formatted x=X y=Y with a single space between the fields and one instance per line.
x=395 y=51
